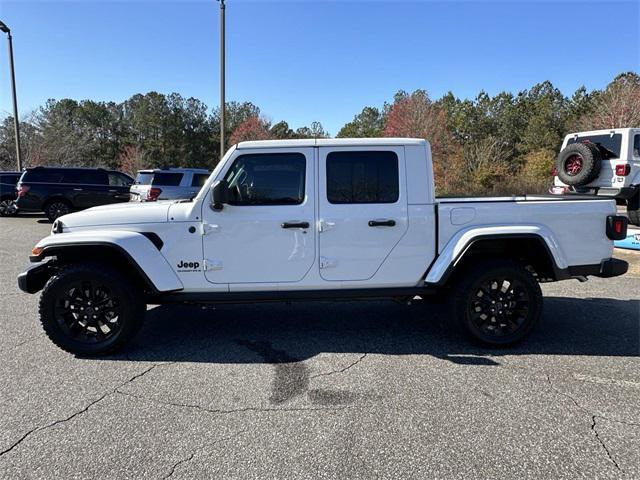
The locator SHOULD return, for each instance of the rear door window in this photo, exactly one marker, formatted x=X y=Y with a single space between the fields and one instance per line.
x=199 y=179
x=636 y=145
x=362 y=177
x=117 y=179
x=609 y=145
x=85 y=177
x=167 y=179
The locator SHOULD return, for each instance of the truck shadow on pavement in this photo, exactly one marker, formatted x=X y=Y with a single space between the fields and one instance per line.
x=280 y=333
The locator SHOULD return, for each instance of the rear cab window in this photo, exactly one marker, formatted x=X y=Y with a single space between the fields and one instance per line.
x=609 y=145
x=362 y=177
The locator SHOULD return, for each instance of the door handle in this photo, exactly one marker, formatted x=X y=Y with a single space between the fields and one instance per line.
x=77 y=189
x=295 y=225
x=113 y=191
x=382 y=223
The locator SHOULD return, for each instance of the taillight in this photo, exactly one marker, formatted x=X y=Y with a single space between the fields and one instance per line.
x=617 y=227
x=554 y=171
x=153 y=194
x=22 y=190
x=623 y=169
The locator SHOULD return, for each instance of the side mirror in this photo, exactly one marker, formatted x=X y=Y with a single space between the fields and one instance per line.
x=219 y=194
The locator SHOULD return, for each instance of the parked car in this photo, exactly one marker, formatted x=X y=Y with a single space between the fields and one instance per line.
x=318 y=219
x=168 y=184
x=602 y=162
x=57 y=191
x=8 y=181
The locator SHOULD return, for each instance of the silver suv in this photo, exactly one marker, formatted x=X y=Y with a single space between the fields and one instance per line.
x=167 y=184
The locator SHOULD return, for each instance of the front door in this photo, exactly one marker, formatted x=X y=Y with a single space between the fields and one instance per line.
x=362 y=207
x=265 y=234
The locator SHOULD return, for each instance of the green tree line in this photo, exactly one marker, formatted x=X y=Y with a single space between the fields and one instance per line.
x=504 y=143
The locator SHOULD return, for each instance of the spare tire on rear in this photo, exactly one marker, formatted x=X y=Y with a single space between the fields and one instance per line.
x=579 y=164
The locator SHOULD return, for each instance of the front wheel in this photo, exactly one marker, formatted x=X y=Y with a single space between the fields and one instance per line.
x=57 y=208
x=497 y=302
x=90 y=309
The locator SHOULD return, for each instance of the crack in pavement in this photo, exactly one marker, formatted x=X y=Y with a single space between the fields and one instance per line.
x=604 y=445
x=222 y=411
x=81 y=411
x=593 y=420
x=199 y=449
x=341 y=370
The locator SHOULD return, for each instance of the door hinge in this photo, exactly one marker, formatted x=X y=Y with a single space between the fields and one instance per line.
x=323 y=225
x=208 y=228
x=212 y=264
x=328 y=262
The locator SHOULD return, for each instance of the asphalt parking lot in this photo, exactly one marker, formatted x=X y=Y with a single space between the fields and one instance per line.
x=323 y=390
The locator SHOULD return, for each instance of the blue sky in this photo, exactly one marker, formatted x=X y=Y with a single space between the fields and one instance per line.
x=313 y=60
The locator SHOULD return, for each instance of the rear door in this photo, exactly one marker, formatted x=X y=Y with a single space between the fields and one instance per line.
x=362 y=208
x=119 y=185
x=85 y=187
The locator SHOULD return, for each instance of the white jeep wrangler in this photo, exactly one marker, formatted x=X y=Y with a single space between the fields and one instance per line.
x=602 y=162
x=318 y=219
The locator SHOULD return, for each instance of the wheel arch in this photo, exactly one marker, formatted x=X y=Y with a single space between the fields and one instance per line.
x=532 y=246
x=135 y=254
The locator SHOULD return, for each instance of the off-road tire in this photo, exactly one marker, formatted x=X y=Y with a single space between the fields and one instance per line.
x=589 y=158
x=128 y=300
x=56 y=208
x=464 y=301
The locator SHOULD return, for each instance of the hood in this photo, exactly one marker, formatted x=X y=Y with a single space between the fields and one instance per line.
x=118 y=214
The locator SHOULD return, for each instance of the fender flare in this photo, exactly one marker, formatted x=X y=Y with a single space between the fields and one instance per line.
x=140 y=250
x=460 y=243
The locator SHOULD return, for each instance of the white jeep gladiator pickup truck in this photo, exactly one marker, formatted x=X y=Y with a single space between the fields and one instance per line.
x=602 y=162
x=317 y=219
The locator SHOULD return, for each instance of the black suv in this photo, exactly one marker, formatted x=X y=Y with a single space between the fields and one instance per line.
x=8 y=181
x=57 y=191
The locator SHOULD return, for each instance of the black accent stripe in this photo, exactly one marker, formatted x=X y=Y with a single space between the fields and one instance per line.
x=154 y=238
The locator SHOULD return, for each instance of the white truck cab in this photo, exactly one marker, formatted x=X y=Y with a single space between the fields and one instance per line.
x=318 y=219
x=602 y=162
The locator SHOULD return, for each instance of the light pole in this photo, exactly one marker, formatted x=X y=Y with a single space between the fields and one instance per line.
x=222 y=101
x=16 y=123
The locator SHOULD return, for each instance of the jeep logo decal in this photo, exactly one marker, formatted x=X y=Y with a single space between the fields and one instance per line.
x=185 y=266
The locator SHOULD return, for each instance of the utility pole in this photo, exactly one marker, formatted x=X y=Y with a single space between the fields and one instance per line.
x=222 y=100
x=16 y=123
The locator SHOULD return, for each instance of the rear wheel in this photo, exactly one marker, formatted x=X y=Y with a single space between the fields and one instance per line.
x=497 y=302
x=7 y=207
x=57 y=208
x=90 y=309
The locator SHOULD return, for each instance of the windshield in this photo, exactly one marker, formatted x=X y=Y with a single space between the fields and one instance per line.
x=144 y=178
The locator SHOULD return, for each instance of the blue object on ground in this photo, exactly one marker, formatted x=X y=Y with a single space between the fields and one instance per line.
x=632 y=241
